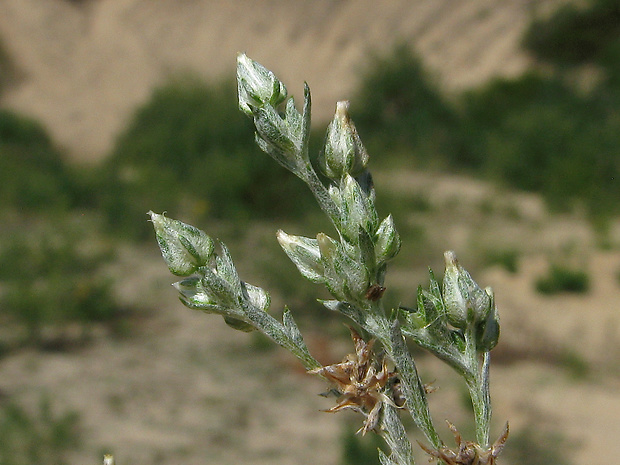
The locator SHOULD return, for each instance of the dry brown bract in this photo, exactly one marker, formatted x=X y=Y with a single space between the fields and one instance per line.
x=360 y=380
x=469 y=453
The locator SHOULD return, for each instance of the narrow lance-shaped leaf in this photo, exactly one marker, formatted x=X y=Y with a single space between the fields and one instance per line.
x=291 y=328
x=332 y=269
x=487 y=330
x=358 y=210
x=273 y=129
x=413 y=389
x=227 y=271
x=385 y=460
x=304 y=252
x=388 y=240
x=395 y=436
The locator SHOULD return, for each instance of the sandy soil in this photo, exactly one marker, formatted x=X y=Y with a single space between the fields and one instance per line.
x=86 y=65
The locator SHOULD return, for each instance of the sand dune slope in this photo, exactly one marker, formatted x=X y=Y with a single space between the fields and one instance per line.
x=85 y=65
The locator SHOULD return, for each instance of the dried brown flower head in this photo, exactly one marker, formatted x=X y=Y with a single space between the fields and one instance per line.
x=361 y=380
x=468 y=453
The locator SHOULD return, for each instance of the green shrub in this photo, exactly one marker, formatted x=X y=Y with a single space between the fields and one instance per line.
x=44 y=437
x=50 y=278
x=575 y=34
x=508 y=259
x=537 y=134
x=506 y=109
x=33 y=176
x=403 y=112
x=575 y=364
x=534 y=447
x=534 y=132
x=186 y=123
x=563 y=279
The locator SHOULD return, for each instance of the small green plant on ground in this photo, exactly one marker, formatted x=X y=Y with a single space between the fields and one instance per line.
x=42 y=437
x=50 y=279
x=508 y=259
x=534 y=447
x=561 y=278
x=456 y=321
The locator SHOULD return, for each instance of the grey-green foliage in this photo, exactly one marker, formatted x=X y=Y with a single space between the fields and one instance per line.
x=458 y=322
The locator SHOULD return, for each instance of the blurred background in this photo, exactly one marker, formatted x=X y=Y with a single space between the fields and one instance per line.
x=493 y=128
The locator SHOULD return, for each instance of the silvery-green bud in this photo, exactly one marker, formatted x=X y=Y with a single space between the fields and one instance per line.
x=358 y=209
x=238 y=324
x=195 y=296
x=257 y=85
x=487 y=329
x=388 y=240
x=327 y=247
x=256 y=296
x=304 y=252
x=184 y=247
x=344 y=152
x=345 y=277
x=465 y=301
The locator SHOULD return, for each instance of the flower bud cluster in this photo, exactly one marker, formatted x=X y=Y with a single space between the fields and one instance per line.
x=468 y=305
x=281 y=135
x=324 y=260
x=212 y=283
x=356 y=206
x=465 y=301
x=388 y=241
x=348 y=268
x=455 y=321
